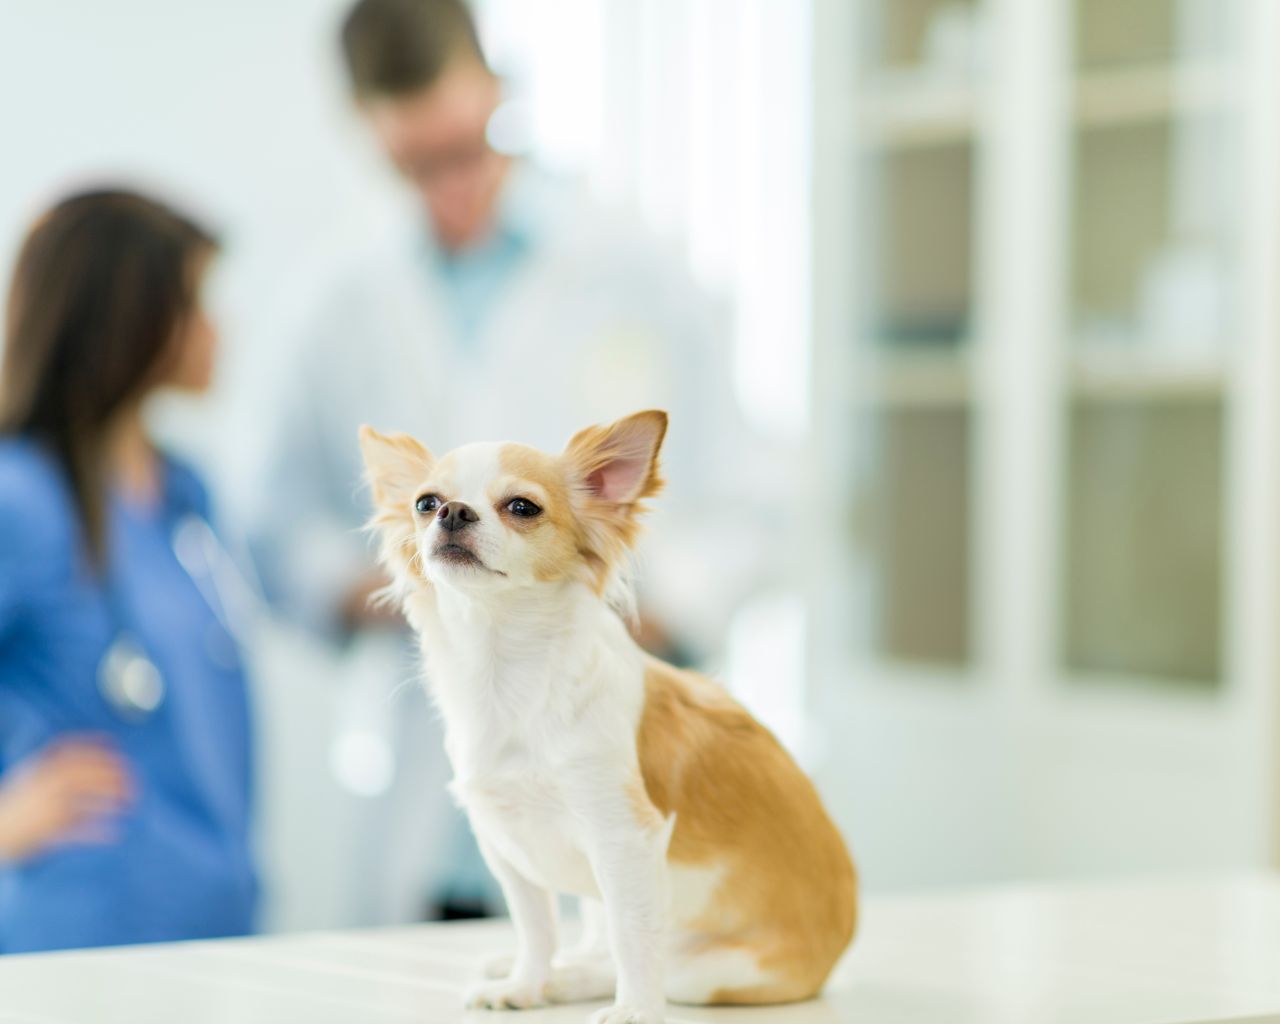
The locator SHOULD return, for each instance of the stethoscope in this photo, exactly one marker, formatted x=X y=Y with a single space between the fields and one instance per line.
x=128 y=678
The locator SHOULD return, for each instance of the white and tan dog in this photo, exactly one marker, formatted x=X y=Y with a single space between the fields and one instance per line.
x=707 y=865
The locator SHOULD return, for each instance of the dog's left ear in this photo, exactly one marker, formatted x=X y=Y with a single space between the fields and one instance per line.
x=618 y=464
x=612 y=469
x=395 y=466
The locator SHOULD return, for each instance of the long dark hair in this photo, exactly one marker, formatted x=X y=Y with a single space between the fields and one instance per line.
x=102 y=286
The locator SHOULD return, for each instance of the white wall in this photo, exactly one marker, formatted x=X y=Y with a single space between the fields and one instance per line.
x=694 y=112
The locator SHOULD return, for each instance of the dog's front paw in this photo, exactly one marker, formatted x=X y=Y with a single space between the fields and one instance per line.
x=507 y=994
x=625 y=1015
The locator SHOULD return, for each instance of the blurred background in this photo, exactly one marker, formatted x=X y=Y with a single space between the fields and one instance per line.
x=1002 y=281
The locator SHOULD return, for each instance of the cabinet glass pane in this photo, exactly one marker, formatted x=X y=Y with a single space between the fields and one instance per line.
x=921 y=261
x=1117 y=32
x=931 y=36
x=1152 y=314
x=917 y=534
x=1150 y=260
x=1143 y=517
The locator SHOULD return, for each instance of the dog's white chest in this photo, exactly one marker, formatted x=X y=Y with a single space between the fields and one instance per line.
x=527 y=736
x=519 y=811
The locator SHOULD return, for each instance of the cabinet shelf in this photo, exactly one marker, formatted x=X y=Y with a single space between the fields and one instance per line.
x=1132 y=95
x=918 y=381
x=1126 y=376
x=908 y=109
x=945 y=380
x=915 y=110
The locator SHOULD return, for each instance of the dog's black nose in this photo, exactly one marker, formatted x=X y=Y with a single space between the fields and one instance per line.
x=454 y=515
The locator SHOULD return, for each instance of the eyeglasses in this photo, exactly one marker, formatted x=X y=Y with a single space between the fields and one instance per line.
x=429 y=169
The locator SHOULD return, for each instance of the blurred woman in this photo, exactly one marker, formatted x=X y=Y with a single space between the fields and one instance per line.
x=124 y=726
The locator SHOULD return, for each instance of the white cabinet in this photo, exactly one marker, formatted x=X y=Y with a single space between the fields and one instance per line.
x=1046 y=374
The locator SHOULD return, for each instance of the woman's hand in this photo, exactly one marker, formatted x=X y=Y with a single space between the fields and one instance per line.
x=60 y=794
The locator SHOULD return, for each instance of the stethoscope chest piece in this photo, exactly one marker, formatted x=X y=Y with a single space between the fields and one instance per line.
x=129 y=680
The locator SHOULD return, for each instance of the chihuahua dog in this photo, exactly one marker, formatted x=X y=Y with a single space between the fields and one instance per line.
x=707 y=868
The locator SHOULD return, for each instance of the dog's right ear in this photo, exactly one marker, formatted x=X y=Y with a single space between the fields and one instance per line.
x=395 y=466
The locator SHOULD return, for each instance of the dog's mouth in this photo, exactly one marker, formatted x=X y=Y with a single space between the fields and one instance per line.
x=457 y=554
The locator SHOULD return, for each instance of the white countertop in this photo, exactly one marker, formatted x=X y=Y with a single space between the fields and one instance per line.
x=1157 y=952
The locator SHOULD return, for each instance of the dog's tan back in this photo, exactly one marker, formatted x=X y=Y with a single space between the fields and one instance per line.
x=786 y=892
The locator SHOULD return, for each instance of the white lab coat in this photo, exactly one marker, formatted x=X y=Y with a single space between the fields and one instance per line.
x=598 y=321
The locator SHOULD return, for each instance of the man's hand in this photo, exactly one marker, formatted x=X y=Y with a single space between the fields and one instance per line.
x=60 y=795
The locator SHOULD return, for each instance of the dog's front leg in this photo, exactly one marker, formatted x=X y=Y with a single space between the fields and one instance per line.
x=628 y=857
x=533 y=912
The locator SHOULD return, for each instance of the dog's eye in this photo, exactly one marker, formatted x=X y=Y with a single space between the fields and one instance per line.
x=427 y=504
x=523 y=507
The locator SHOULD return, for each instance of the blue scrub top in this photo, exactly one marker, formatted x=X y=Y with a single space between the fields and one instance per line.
x=181 y=867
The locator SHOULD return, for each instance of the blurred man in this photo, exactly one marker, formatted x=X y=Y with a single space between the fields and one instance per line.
x=512 y=308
